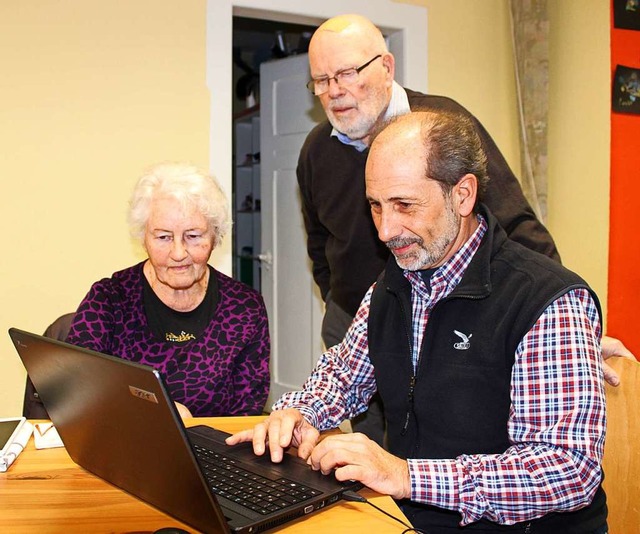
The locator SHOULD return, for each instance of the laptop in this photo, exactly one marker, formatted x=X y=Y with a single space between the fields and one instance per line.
x=117 y=421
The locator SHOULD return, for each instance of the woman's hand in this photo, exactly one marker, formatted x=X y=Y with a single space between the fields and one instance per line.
x=183 y=411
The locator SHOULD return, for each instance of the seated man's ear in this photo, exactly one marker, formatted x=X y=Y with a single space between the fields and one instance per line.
x=464 y=194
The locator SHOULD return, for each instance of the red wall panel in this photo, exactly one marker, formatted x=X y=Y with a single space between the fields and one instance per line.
x=624 y=239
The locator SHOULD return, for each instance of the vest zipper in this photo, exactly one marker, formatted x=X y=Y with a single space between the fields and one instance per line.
x=414 y=371
x=412 y=387
x=412 y=380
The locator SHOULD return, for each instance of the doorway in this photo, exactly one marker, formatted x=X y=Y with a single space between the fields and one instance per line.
x=407 y=30
x=405 y=27
x=255 y=41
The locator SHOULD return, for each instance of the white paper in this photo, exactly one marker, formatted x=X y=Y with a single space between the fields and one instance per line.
x=18 y=445
x=46 y=436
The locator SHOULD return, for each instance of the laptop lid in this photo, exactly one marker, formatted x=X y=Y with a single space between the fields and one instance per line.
x=116 y=420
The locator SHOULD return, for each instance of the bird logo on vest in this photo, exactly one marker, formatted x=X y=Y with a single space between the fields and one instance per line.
x=464 y=344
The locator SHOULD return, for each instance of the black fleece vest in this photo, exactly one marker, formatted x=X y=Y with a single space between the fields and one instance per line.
x=458 y=400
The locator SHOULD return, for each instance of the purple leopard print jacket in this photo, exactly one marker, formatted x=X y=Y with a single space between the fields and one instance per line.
x=225 y=372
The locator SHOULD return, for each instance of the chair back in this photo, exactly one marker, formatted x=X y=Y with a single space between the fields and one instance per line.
x=32 y=407
x=621 y=461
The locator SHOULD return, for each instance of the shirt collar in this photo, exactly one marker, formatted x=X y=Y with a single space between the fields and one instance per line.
x=398 y=105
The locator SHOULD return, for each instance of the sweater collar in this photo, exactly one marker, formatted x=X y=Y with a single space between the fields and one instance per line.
x=398 y=105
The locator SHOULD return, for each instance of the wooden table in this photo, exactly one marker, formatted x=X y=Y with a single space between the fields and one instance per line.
x=45 y=492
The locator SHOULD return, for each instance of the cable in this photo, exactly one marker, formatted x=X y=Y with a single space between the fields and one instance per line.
x=354 y=497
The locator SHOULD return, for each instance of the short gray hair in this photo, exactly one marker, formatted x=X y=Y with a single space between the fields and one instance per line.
x=187 y=184
x=452 y=146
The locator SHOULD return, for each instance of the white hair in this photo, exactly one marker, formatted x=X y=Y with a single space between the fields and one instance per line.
x=188 y=185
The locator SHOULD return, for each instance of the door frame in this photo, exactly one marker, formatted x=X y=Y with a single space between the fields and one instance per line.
x=292 y=298
x=405 y=25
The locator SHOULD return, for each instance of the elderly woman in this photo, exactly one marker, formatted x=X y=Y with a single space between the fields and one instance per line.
x=205 y=332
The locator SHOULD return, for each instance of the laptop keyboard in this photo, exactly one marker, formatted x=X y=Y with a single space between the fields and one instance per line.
x=260 y=494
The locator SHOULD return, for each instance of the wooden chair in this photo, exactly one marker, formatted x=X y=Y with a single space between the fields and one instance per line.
x=621 y=461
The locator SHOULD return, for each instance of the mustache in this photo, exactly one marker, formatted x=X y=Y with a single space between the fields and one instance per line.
x=398 y=242
x=341 y=104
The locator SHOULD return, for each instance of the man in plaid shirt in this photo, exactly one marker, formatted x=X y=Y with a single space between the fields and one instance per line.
x=486 y=356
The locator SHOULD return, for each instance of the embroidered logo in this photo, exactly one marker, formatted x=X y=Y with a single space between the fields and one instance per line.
x=464 y=344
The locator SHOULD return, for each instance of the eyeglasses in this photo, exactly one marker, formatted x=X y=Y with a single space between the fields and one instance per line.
x=319 y=86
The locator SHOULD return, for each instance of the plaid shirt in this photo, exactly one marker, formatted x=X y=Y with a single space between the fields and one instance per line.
x=556 y=422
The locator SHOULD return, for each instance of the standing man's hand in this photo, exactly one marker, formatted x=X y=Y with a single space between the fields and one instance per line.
x=281 y=430
x=613 y=347
x=356 y=457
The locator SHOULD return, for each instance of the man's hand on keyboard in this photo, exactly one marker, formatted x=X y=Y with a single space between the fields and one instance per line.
x=281 y=430
x=356 y=457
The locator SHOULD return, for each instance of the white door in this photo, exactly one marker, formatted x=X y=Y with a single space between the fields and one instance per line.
x=288 y=111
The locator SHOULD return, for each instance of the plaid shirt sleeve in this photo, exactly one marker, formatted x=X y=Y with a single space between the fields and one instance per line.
x=556 y=428
x=342 y=381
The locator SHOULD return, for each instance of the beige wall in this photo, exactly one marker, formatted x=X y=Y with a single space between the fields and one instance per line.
x=579 y=137
x=470 y=59
x=94 y=91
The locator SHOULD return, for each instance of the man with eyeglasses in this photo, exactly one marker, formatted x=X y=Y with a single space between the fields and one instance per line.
x=352 y=73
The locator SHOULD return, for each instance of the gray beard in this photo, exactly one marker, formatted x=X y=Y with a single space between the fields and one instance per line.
x=427 y=256
x=356 y=131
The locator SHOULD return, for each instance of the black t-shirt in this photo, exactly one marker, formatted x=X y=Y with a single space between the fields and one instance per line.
x=176 y=326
